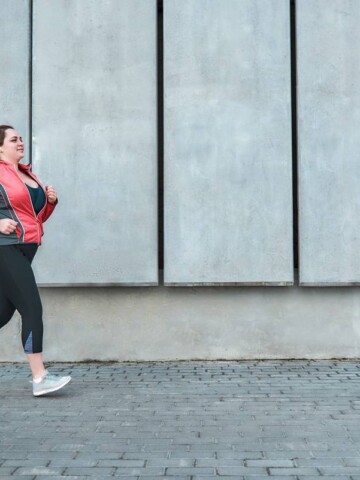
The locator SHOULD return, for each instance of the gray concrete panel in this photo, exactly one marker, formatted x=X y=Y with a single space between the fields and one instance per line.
x=328 y=39
x=228 y=159
x=14 y=62
x=134 y=324
x=94 y=139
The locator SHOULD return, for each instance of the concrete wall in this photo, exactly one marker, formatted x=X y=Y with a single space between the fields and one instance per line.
x=227 y=128
x=94 y=138
x=97 y=145
x=15 y=65
x=169 y=323
x=328 y=40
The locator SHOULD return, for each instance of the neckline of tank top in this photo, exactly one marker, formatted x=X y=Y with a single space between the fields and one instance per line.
x=33 y=188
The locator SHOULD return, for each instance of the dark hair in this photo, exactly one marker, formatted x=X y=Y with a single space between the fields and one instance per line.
x=3 y=129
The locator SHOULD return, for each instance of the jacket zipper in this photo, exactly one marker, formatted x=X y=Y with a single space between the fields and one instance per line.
x=36 y=216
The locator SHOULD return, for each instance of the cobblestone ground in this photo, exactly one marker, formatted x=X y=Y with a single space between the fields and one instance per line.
x=281 y=420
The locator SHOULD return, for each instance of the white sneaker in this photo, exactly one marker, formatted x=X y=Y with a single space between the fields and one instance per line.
x=49 y=383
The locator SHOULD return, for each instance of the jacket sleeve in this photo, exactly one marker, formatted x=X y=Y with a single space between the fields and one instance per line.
x=49 y=210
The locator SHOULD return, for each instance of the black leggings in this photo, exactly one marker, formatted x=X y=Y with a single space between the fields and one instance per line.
x=18 y=291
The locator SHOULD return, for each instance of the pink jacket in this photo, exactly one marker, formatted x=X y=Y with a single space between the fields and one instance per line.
x=15 y=203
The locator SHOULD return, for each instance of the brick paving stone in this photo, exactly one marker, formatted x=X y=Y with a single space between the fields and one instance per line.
x=38 y=471
x=320 y=462
x=123 y=463
x=190 y=471
x=121 y=471
x=187 y=420
x=237 y=455
x=339 y=470
x=174 y=462
x=6 y=471
x=328 y=477
x=273 y=477
x=17 y=477
x=269 y=463
x=240 y=471
x=216 y=477
x=66 y=463
x=34 y=462
x=173 y=477
x=349 y=453
x=294 y=471
x=88 y=471
x=80 y=477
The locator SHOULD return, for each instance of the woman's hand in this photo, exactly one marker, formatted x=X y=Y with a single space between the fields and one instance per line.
x=51 y=194
x=7 y=226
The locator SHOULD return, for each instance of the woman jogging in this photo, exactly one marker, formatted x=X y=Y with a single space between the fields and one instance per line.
x=24 y=205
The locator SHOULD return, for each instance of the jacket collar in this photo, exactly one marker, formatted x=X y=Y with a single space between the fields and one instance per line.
x=26 y=167
x=22 y=166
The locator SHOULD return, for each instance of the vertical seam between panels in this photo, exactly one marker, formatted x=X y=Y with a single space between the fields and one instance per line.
x=30 y=77
x=160 y=134
x=294 y=139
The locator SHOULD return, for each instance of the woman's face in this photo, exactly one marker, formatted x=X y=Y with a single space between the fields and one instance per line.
x=12 y=150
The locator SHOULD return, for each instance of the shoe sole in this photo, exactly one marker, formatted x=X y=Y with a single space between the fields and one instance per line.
x=53 y=389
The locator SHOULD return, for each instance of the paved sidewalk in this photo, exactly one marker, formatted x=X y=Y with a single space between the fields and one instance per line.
x=281 y=420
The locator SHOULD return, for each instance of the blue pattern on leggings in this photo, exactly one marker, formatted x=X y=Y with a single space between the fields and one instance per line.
x=29 y=345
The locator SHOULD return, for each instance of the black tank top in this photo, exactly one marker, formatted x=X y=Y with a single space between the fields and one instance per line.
x=37 y=197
